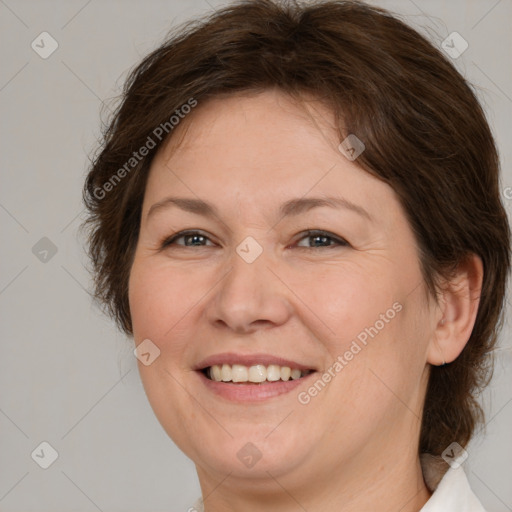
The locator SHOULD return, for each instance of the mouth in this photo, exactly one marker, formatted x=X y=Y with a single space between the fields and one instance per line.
x=254 y=374
x=251 y=378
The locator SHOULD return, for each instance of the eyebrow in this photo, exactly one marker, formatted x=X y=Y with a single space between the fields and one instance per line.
x=287 y=209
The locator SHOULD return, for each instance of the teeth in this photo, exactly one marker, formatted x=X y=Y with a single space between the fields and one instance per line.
x=225 y=373
x=285 y=373
x=295 y=374
x=239 y=373
x=257 y=373
x=273 y=372
x=215 y=373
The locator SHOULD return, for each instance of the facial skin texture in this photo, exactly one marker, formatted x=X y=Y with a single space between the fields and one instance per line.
x=354 y=445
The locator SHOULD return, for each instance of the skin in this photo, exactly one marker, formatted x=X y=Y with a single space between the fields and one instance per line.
x=354 y=446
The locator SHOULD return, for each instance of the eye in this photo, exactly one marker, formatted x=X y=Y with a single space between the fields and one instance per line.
x=323 y=237
x=197 y=239
x=194 y=237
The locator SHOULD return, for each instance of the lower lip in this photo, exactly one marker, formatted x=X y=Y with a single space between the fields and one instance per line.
x=251 y=392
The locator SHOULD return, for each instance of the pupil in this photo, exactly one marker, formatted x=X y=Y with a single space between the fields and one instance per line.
x=194 y=237
x=324 y=238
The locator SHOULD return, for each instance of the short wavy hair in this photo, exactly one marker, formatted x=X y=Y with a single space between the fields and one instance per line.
x=425 y=133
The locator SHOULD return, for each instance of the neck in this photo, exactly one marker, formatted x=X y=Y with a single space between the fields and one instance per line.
x=389 y=486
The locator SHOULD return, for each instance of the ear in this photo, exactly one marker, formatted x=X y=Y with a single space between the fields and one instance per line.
x=456 y=315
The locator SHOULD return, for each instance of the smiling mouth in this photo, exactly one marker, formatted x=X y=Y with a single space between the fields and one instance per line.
x=255 y=374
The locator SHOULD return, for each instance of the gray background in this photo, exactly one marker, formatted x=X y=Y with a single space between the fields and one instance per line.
x=66 y=376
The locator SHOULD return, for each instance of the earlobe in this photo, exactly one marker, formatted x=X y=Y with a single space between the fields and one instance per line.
x=460 y=299
x=441 y=354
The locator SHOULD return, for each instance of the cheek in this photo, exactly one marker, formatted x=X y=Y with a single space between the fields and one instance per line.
x=158 y=298
x=352 y=303
x=158 y=313
x=385 y=375
x=376 y=330
x=377 y=378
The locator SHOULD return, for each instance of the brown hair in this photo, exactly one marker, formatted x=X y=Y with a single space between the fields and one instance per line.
x=424 y=131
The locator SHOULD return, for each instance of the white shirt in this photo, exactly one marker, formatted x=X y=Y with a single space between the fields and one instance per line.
x=450 y=491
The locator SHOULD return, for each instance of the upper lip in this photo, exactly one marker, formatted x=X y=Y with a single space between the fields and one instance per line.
x=232 y=358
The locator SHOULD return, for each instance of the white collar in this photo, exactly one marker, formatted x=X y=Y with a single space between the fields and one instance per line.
x=450 y=489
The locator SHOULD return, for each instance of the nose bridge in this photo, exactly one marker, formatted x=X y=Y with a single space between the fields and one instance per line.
x=250 y=293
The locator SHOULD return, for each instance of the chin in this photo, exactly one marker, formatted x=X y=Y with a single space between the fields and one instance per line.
x=250 y=453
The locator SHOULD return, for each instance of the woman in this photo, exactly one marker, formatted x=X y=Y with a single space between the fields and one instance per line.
x=296 y=216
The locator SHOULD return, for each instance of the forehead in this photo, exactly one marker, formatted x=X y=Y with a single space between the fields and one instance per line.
x=239 y=126
x=258 y=147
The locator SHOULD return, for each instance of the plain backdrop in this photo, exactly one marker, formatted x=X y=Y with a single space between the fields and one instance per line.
x=67 y=377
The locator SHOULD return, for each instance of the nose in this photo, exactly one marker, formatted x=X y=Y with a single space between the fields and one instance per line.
x=250 y=296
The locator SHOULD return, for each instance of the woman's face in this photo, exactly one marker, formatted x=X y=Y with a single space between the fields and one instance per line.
x=253 y=288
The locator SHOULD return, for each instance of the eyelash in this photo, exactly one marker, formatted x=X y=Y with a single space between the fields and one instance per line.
x=306 y=234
